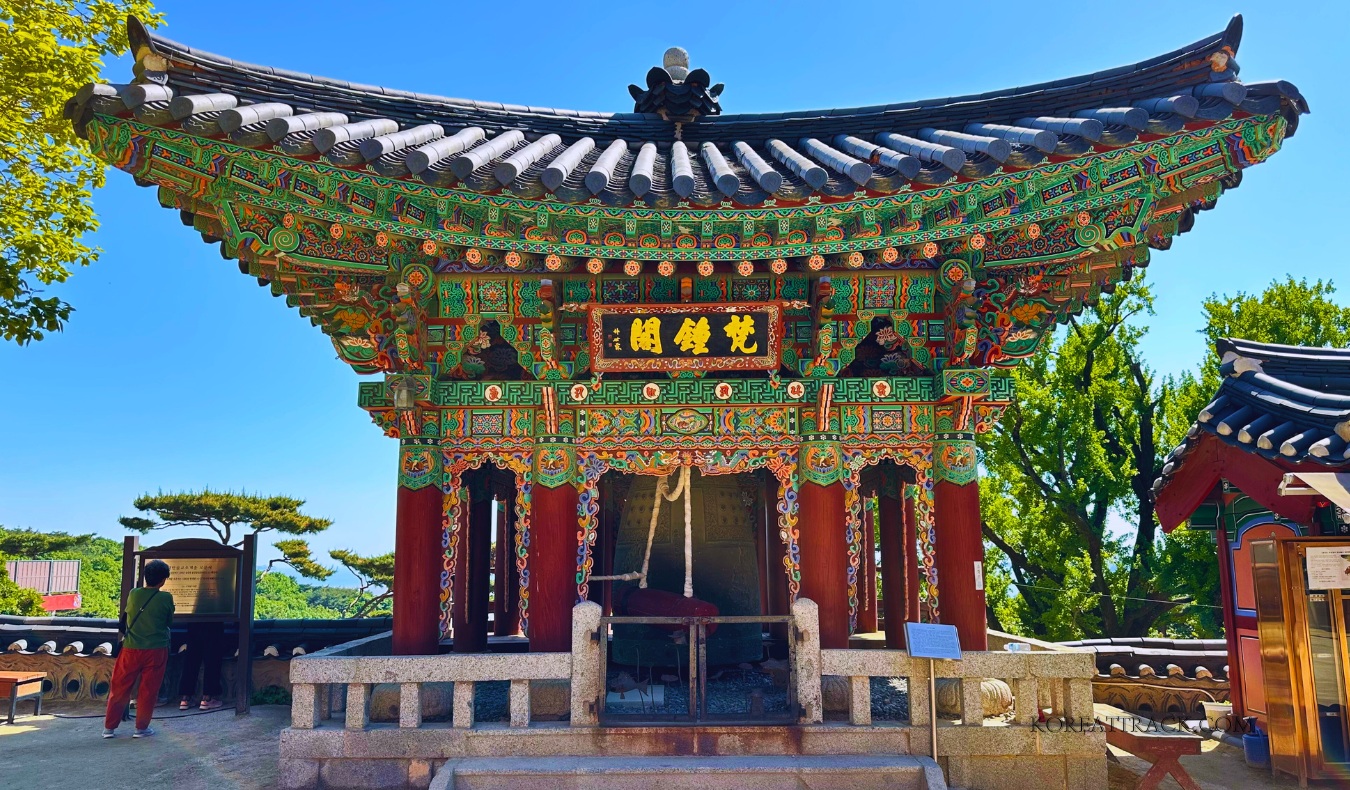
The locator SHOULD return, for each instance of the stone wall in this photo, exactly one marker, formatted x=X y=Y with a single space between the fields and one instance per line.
x=77 y=678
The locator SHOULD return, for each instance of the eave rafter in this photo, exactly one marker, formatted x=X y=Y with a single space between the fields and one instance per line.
x=362 y=221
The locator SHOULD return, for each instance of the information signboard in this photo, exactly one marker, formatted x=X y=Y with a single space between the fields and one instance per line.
x=1328 y=567
x=210 y=583
x=655 y=337
x=203 y=585
x=933 y=640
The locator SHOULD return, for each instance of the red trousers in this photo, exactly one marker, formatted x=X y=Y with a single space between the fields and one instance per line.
x=145 y=665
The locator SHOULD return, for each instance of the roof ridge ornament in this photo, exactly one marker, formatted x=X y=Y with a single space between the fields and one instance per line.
x=150 y=65
x=674 y=92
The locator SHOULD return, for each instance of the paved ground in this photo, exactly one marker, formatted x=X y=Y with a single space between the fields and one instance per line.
x=197 y=752
x=216 y=751
x=1217 y=767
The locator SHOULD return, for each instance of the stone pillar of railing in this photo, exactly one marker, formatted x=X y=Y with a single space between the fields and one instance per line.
x=919 y=699
x=461 y=710
x=1026 y=701
x=358 y=706
x=1080 y=699
x=860 y=700
x=806 y=631
x=972 y=701
x=587 y=642
x=409 y=705
x=305 y=705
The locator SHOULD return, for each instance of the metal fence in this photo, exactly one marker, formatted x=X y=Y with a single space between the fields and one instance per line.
x=685 y=688
x=45 y=576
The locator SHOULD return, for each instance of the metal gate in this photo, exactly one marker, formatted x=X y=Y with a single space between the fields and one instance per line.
x=766 y=694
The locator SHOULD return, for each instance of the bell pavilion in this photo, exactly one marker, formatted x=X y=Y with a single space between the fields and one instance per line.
x=743 y=357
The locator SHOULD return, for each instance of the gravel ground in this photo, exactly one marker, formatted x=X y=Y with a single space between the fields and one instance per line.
x=729 y=692
x=890 y=699
x=492 y=701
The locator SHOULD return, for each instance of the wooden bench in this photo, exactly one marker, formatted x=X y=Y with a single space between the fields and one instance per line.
x=20 y=686
x=1161 y=745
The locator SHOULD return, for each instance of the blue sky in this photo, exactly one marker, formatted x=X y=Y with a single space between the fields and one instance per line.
x=177 y=372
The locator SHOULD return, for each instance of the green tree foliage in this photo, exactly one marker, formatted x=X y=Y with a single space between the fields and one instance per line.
x=280 y=596
x=1292 y=312
x=1080 y=449
x=228 y=515
x=29 y=544
x=49 y=49
x=375 y=577
x=18 y=600
x=224 y=513
x=296 y=554
x=1075 y=454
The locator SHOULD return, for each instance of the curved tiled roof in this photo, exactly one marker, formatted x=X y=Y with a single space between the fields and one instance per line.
x=644 y=160
x=1285 y=403
x=1145 y=656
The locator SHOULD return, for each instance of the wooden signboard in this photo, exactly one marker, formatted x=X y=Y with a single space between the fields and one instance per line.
x=210 y=582
x=655 y=337
x=204 y=586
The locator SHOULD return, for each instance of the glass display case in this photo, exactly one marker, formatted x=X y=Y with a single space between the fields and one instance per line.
x=1302 y=612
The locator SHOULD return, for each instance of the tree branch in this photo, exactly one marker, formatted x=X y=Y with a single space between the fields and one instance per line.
x=1014 y=556
x=364 y=610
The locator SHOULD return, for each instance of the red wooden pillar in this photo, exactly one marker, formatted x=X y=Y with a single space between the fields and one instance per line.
x=507 y=613
x=914 y=574
x=417 y=571
x=1236 y=694
x=867 y=570
x=480 y=559
x=824 y=557
x=762 y=561
x=959 y=548
x=605 y=528
x=897 y=568
x=552 y=563
x=777 y=594
x=473 y=563
x=500 y=557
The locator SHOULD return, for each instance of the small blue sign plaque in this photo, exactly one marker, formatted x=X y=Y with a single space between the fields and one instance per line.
x=932 y=640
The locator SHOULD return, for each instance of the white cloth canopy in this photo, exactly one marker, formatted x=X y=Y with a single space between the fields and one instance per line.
x=1332 y=485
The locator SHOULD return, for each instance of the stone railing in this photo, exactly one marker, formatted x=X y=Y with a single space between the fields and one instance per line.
x=1055 y=684
x=353 y=670
x=1050 y=722
x=402 y=747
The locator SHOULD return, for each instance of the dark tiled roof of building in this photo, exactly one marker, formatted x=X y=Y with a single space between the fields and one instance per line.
x=1146 y=657
x=645 y=160
x=1285 y=403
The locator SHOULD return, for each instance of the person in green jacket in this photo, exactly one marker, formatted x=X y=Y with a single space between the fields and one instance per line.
x=145 y=651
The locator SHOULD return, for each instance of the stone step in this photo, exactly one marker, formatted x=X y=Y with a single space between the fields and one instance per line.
x=695 y=772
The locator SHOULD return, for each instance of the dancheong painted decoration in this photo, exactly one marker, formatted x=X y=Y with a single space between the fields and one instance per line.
x=685 y=337
x=821 y=303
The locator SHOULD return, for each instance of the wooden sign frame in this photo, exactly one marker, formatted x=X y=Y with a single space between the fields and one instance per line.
x=246 y=560
x=767 y=358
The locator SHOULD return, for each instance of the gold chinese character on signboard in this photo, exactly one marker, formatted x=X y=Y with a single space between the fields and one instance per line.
x=693 y=336
x=646 y=335
x=739 y=329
